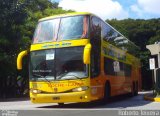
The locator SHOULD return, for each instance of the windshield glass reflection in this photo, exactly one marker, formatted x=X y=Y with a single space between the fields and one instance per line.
x=58 y=64
x=64 y=28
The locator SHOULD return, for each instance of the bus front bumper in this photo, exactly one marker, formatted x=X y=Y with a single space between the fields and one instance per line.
x=82 y=96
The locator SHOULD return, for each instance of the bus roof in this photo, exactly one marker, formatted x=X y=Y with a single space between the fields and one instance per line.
x=65 y=15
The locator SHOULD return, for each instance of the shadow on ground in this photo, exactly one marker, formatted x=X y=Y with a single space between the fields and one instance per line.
x=123 y=101
x=14 y=99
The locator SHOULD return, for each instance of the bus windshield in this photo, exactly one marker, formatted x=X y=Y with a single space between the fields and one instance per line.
x=58 y=64
x=64 y=28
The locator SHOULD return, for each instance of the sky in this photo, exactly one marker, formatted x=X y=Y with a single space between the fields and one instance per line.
x=119 y=9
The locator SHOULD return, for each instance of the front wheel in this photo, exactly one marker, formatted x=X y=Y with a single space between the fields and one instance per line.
x=106 y=94
x=60 y=104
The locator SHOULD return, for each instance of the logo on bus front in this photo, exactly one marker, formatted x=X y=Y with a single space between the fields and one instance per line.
x=55 y=90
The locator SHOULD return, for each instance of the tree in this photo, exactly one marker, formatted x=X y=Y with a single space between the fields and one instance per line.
x=13 y=14
x=18 y=20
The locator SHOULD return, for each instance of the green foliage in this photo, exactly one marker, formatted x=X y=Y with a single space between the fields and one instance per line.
x=142 y=33
x=18 y=20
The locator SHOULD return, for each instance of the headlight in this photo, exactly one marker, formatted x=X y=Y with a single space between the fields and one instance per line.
x=35 y=91
x=83 y=88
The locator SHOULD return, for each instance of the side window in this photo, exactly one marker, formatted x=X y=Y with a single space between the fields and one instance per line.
x=127 y=70
x=96 y=46
x=108 y=66
x=112 y=36
x=105 y=31
x=122 y=70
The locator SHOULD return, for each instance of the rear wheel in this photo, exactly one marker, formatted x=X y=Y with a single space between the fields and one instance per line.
x=133 y=89
x=136 y=89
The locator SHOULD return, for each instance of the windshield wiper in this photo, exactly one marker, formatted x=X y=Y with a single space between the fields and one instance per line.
x=44 y=77
x=74 y=76
x=66 y=74
x=37 y=75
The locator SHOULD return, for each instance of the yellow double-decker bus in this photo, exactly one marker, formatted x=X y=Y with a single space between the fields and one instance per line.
x=77 y=57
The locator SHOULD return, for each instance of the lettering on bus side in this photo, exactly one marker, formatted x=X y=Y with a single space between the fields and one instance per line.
x=72 y=84
x=63 y=44
x=75 y=84
x=48 y=46
x=66 y=44
x=56 y=85
x=109 y=51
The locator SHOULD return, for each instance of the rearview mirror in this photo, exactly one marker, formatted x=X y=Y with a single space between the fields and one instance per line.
x=19 y=59
x=86 y=54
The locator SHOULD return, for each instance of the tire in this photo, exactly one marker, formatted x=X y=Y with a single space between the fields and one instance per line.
x=133 y=90
x=136 y=89
x=106 y=94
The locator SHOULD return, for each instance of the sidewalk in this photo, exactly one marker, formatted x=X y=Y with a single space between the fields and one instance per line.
x=151 y=97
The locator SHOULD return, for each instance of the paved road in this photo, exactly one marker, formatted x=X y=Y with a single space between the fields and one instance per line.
x=121 y=103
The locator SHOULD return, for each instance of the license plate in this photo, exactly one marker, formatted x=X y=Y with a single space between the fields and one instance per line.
x=56 y=98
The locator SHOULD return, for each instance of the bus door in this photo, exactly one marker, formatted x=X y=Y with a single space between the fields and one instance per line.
x=96 y=84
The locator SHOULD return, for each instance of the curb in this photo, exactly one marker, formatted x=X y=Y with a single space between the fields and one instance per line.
x=155 y=99
x=14 y=99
